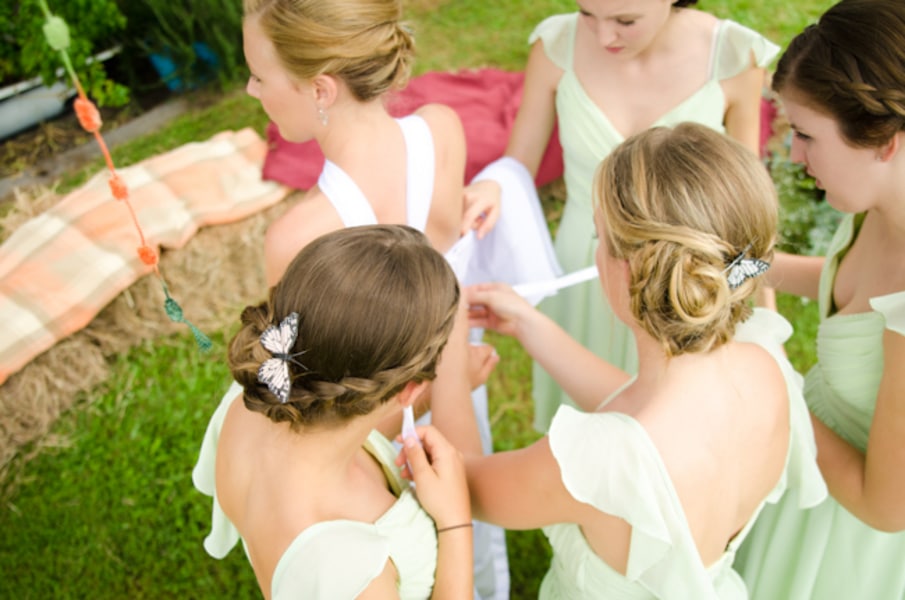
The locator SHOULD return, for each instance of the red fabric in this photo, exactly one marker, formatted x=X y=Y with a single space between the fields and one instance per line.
x=768 y=113
x=486 y=101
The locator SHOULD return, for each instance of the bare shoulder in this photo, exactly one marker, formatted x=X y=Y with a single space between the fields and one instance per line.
x=697 y=22
x=310 y=218
x=442 y=120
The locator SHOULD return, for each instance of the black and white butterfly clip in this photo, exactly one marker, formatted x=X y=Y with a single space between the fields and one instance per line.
x=742 y=268
x=279 y=340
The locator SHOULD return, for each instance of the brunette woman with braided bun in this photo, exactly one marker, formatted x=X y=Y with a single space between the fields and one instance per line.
x=350 y=335
x=842 y=82
x=322 y=70
x=649 y=489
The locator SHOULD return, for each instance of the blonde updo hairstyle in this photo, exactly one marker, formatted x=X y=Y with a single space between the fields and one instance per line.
x=679 y=205
x=376 y=305
x=362 y=42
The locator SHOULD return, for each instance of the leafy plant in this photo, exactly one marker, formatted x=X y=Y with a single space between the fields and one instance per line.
x=200 y=39
x=807 y=222
x=93 y=25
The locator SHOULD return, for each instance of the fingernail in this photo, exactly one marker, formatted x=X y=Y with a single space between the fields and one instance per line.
x=409 y=442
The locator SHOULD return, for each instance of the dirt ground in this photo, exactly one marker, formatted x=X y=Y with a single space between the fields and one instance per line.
x=44 y=152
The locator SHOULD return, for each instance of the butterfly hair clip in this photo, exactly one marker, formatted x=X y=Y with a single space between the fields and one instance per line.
x=741 y=268
x=279 y=340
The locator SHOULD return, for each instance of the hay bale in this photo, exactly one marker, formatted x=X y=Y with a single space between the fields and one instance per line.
x=217 y=273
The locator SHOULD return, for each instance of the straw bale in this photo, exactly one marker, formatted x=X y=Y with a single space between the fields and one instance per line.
x=212 y=277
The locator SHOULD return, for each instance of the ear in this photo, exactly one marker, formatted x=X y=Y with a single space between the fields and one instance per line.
x=411 y=392
x=325 y=90
x=890 y=148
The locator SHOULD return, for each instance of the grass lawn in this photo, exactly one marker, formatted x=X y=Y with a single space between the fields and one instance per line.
x=110 y=511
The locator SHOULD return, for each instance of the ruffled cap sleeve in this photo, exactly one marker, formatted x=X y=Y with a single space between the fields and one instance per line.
x=628 y=480
x=330 y=560
x=801 y=476
x=558 y=35
x=735 y=46
x=892 y=307
x=223 y=535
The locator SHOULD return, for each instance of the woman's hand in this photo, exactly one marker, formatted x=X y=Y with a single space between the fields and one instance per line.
x=482 y=358
x=496 y=306
x=482 y=207
x=438 y=470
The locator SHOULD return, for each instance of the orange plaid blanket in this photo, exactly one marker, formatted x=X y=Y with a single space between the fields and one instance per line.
x=58 y=270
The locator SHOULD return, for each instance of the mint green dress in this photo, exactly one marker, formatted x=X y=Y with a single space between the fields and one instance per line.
x=826 y=552
x=587 y=137
x=334 y=559
x=608 y=460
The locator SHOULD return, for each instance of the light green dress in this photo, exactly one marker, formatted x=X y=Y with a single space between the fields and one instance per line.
x=335 y=559
x=587 y=137
x=826 y=552
x=608 y=460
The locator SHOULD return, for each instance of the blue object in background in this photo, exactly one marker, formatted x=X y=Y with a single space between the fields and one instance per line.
x=178 y=77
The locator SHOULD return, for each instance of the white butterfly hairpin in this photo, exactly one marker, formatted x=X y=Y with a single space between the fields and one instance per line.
x=279 y=340
x=741 y=268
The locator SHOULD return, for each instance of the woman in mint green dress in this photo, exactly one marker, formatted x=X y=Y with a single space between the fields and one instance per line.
x=842 y=82
x=293 y=457
x=649 y=490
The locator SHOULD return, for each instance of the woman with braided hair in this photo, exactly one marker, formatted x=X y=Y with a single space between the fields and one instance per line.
x=351 y=335
x=323 y=70
x=647 y=491
x=842 y=82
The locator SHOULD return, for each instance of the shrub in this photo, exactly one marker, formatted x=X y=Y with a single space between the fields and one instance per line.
x=25 y=54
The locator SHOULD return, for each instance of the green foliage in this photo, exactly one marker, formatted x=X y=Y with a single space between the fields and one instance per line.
x=173 y=28
x=25 y=53
x=807 y=222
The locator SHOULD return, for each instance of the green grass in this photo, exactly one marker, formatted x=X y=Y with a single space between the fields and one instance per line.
x=112 y=512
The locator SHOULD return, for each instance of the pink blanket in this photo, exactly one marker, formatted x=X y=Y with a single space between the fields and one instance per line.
x=486 y=101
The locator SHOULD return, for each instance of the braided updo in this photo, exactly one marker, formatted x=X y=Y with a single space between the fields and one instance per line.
x=376 y=305
x=362 y=42
x=679 y=205
x=851 y=66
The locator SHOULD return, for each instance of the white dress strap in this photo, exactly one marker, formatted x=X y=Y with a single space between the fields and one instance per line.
x=419 y=152
x=345 y=196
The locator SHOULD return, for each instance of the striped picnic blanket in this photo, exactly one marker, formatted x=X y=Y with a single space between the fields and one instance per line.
x=59 y=269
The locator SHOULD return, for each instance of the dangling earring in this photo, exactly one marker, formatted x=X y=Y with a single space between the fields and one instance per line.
x=322 y=116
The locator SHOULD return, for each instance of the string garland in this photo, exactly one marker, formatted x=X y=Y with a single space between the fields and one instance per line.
x=56 y=32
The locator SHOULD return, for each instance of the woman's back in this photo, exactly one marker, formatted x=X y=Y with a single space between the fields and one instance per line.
x=274 y=499
x=672 y=478
x=379 y=165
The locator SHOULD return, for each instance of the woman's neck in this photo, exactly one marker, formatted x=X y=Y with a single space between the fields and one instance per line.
x=353 y=129
x=324 y=452
x=655 y=368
